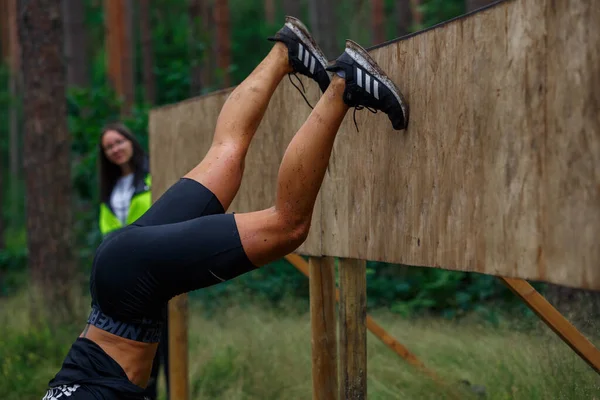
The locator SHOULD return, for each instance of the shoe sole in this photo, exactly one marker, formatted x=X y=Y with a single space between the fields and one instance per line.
x=300 y=30
x=362 y=57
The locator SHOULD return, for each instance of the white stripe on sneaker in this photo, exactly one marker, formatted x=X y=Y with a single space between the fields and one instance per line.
x=304 y=38
x=306 y=58
x=370 y=84
x=312 y=65
x=384 y=79
x=300 y=51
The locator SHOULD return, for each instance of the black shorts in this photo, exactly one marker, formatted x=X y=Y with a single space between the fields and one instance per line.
x=79 y=392
x=89 y=373
x=86 y=392
x=184 y=242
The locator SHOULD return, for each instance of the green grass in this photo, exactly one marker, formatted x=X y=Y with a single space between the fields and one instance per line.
x=252 y=352
x=255 y=354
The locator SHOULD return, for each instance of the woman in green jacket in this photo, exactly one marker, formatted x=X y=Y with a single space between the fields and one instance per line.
x=124 y=197
x=124 y=179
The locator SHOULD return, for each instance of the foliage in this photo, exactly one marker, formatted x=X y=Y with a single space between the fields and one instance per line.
x=30 y=350
x=13 y=262
x=411 y=290
x=38 y=347
x=405 y=290
x=436 y=11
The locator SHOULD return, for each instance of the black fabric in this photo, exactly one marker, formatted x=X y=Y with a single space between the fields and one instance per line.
x=99 y=376
x=146 y=330
x=182 y=243
x=185 y=200
x=292 y=41
x=79 y=392
x=355 y=94
x=140 y=269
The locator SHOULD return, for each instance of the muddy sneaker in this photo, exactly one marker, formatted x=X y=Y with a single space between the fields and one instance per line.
x=367 y=86
x=306 y=58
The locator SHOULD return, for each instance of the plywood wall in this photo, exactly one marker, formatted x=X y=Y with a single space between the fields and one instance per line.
x=499 y=171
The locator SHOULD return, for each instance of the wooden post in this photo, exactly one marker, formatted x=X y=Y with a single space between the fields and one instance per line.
x=178 y=348
x=353 y=329
x=559 y=324
x=391 y=342
x=322 y=317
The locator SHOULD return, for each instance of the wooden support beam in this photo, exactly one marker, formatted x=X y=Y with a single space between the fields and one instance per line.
x=391 y=342
x=555 y=320
x=323 y=324
x=353 y=329
x=178 y=348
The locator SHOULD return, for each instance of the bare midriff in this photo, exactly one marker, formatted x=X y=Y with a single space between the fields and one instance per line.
x=134 y=357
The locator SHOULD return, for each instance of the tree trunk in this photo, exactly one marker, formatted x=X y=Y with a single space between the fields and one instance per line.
x=195 y=9
x=475 y=4
x=270 y=11
x=76 y=43
x=4 y=32
x=147 y=52
x=403 y=17
x=4 y=59
x=377 y=22
x=118 y=43
x=47 y=153
x=417 y=15
x=293 y=8
x=131 y=43
x=209 y=57
x=323 y=27
x=14 y=85
x=222 y=22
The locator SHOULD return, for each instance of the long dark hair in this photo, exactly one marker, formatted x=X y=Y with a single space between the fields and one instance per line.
x=109 y=172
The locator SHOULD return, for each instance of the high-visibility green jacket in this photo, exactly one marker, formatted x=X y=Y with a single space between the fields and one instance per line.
x=140 y=203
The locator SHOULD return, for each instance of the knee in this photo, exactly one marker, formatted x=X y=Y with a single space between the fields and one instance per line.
x=295 y=230
x=228 y=148
x=229 y=151
x=270 y=234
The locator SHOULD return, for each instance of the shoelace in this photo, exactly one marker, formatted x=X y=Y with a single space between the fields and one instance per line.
x=303 y=90
x=358 y=108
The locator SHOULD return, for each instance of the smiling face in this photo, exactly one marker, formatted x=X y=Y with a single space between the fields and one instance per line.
x=117 y=148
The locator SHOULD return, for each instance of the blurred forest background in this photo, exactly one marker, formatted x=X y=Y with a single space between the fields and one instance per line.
x=122 y=57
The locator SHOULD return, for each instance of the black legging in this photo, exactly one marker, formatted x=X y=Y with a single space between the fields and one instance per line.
x=184 y=242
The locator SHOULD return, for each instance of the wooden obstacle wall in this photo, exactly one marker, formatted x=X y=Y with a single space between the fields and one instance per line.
x=499 y=171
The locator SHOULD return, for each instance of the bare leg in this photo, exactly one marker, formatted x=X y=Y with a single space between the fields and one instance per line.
x=222 y=168
x=269 y=234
